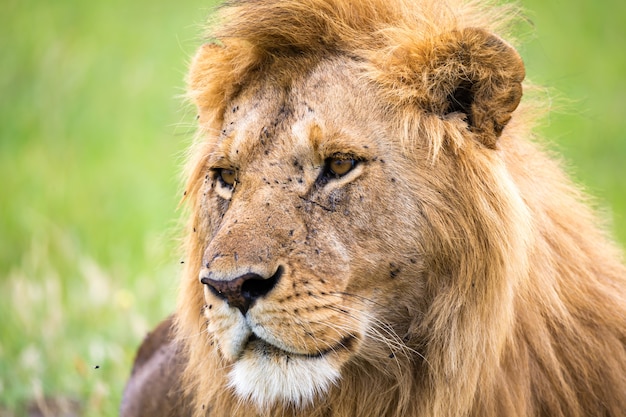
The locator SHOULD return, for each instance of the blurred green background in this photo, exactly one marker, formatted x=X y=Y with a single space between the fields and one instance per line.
x=92 y=135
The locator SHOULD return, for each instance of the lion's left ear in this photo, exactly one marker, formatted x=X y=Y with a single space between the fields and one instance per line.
x=470 y=71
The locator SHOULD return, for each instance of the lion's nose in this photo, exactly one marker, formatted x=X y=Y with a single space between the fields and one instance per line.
x=242 y=291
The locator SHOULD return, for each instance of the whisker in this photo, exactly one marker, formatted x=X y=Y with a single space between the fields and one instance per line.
x=383 y=332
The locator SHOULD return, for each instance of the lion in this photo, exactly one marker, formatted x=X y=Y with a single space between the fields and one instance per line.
x=374 y=230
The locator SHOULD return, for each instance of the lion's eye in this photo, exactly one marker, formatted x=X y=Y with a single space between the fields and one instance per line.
x=340 y=166
x=228 y=177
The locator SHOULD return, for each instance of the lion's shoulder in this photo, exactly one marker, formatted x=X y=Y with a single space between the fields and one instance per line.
x=154 y=388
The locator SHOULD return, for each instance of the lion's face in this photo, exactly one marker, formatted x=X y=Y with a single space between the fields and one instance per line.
x=343 y=206
x=300 y=193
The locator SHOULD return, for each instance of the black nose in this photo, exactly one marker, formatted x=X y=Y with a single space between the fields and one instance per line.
x=242 y=291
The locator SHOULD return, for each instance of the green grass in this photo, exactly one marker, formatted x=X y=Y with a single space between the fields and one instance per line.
x=91 y=136
x=577 y=49
x=92 y=132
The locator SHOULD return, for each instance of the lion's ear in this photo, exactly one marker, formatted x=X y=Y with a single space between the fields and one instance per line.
x=202 y=88
x=472 y=72
x=216 y=74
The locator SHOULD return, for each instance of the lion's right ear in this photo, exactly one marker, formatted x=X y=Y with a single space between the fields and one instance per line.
x=469 y=71
x=216 y=74
x=477 y=74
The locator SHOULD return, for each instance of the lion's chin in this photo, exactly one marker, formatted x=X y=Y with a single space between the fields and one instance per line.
x=267 y=375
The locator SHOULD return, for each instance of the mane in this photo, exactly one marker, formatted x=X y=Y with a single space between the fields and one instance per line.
x=554 y=297
x=260 y=33
x=254 y=35
x=314 y=26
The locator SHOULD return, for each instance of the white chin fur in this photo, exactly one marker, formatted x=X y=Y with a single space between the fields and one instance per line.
x=272 y=379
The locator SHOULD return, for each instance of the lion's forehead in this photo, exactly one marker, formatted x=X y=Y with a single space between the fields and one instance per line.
x=322 y=111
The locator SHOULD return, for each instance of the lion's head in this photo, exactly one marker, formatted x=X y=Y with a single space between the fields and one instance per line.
x=366 y=234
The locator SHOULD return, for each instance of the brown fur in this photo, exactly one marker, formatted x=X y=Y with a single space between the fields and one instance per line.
x=153 y=388
x=482 y=279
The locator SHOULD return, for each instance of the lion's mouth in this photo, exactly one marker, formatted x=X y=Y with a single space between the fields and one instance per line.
x=265 y=348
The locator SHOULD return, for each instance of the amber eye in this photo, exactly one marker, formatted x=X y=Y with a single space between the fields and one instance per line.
x=228 y=177
x=340 y=166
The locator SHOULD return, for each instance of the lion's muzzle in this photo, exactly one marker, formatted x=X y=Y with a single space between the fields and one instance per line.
x=242 y=291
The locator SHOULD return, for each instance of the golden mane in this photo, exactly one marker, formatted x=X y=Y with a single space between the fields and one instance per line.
x=397 y=37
